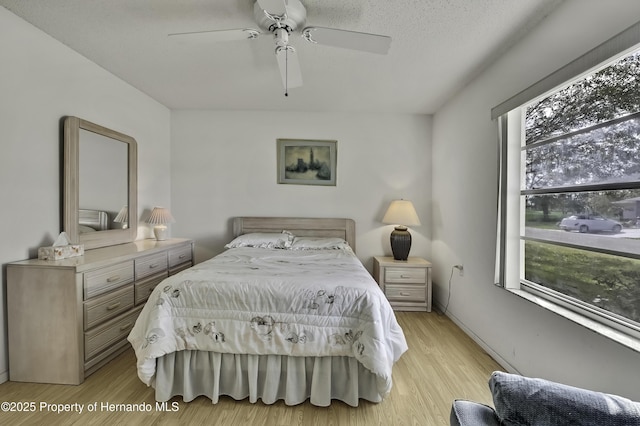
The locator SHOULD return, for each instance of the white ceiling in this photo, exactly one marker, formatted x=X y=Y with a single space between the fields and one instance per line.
x=437 y=47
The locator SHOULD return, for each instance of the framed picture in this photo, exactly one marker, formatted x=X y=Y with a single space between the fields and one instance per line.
x=307 y=162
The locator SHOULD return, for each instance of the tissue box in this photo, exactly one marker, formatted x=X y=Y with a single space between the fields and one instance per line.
x=60 y=252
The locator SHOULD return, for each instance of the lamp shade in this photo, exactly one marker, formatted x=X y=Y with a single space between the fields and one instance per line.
x=160 y=216
x=123 y=215
x=401 y=212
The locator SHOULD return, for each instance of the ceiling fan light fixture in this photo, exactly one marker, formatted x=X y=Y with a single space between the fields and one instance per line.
x=281 y=36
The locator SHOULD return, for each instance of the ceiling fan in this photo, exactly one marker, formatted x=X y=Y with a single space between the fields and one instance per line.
x=282 y=18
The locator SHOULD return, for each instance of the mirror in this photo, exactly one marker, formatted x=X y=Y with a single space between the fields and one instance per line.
x=100 y=185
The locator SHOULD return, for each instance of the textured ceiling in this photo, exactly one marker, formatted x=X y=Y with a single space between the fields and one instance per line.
x=437 y=47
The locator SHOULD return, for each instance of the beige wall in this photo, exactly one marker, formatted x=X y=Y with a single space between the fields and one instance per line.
x=223 y=164
x=41 y=81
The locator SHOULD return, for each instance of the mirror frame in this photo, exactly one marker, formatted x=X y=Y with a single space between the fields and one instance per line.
x=71 y=206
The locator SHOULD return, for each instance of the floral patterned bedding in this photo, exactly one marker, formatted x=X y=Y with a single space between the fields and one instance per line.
x=272 y=301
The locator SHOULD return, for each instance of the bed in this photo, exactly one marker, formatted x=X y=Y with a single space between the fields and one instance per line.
x=287 y=312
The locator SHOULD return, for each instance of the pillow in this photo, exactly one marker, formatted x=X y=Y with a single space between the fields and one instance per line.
x=467 y=413
x=526 y=401
x=280 y=240
x=318 y=243
x=83 y=229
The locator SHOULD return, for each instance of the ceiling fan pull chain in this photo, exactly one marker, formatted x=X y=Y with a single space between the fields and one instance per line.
x=286 y=71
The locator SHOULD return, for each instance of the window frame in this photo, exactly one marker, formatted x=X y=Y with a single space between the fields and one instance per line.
x=511 y=209
x=609 y=318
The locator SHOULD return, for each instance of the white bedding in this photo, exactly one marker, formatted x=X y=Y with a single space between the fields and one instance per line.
x=272 y=301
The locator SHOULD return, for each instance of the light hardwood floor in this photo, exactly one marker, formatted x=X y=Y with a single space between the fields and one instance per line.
x=442 y=364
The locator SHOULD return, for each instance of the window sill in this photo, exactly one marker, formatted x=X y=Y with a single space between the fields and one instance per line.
x=601 y=329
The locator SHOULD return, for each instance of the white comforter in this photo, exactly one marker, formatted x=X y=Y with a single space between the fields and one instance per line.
x=272 y=301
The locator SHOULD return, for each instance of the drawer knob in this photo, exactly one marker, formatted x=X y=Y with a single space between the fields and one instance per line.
x=405 y=276
x=125 y=326
x=182 y=256
x=154 y=265
x=114 y=278
x=404 y=293
x=113 y=306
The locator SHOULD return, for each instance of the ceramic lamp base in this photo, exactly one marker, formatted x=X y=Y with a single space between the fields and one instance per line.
x=400 y=243
x=160 y=232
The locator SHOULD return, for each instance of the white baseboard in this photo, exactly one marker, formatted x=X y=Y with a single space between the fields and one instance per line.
x=493 y=354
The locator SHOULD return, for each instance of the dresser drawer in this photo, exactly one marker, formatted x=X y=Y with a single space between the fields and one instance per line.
x=179 y=268
x=100 y=309
x=150 y=265
x=405 y=275
x=180 y=255
x=105 y=279
x=145 y=287
x=405 y=293
x=104 y=336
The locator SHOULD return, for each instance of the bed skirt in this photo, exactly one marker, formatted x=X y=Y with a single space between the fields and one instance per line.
x=266 y=377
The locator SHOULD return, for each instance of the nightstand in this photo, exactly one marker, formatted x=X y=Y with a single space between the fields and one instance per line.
x=407 y=284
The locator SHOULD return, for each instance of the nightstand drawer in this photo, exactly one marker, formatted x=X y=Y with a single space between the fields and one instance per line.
x=150 y=265
x=108 y=306
x=105 y=279
x=405 y=275
x=405 y=293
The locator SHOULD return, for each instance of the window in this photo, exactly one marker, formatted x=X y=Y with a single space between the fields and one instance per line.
x=571 y=189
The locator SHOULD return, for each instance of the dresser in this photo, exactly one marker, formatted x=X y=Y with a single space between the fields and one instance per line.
x=407 y=284
x=67 y=318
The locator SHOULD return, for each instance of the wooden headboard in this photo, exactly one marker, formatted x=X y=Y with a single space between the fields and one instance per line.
x=301 y=226
x=95 y=219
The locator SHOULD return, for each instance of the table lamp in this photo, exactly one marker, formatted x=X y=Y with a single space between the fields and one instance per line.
x=402 y=214
x=160 y=217
x=123 y=217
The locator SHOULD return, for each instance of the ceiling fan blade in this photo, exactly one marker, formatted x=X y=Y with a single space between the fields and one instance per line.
x=289 y=67
x=216 y=36
x=274 y=7
x=372 y=43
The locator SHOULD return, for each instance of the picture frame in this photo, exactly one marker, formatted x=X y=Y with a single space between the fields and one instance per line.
x=307 y=162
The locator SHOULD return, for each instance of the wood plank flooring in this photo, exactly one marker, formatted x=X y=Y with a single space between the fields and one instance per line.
x=442 y=364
